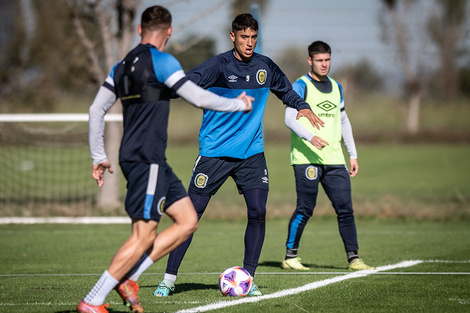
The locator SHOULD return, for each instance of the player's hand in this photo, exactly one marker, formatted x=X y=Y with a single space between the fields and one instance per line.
x=318 y=142
x=247 y=99
x=354 y=168
x=98 y=172
x=312 y=117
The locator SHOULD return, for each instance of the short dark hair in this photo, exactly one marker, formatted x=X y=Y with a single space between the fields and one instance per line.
x=155 y=17
x=244 y=21
x=318 y=47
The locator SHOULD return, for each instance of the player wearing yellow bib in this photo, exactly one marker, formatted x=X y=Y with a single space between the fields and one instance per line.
x=317 y=157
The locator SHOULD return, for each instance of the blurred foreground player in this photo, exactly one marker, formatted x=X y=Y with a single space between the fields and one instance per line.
x=317 y=157
x=144 y=81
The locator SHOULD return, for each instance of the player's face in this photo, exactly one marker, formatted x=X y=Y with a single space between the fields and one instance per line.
x=320 y=64
x=244 y=43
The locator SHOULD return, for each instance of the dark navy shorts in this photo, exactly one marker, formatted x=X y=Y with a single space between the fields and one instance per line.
x=209 y=174
x=335 y=181
x=151 y=189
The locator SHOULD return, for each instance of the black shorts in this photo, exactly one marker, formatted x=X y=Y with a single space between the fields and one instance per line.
x=151 y=189
x=209 y=174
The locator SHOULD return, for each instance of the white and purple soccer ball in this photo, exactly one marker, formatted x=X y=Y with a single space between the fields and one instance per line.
x=235 y=282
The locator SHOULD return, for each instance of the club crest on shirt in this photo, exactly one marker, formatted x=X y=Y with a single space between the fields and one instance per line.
x=201 y=180
x=311 y=172
x=161 y=205
x=261 y=76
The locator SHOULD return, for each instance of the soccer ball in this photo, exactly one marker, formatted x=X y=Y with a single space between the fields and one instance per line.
x=235 y=282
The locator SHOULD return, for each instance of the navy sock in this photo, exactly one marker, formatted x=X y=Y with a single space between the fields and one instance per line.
x=256 y=227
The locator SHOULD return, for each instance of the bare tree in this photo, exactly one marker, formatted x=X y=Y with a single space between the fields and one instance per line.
x=113 y=21
x=448 y=29
x=411 y=64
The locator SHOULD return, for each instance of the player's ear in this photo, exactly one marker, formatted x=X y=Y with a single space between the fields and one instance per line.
x=139 y=30
x=169 y=31
x=232 y=36
x=309 y=60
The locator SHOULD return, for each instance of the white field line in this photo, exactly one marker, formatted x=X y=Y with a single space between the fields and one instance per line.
x=310 y=286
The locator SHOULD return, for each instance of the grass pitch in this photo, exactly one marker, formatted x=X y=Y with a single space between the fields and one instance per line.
x=49 y=268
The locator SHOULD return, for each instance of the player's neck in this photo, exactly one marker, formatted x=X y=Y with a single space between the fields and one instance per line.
x=317 y=77
x=240 y=57
x=158 y=38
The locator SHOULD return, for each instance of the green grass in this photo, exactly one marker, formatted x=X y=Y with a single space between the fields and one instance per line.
x=49 y=268
x=400 y=181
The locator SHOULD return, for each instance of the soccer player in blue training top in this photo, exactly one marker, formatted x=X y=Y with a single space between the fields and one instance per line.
x=317 y=157
x=231 y=144
x=144 y=81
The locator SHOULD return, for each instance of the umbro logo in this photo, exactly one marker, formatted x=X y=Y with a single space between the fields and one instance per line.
x=326 y=106
x=232 y=78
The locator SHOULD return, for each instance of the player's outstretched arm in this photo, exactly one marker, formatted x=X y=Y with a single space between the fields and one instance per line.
x=205 y=99
x=312 y=117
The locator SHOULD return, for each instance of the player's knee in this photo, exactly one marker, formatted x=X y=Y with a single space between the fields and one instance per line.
x=257 y=214
x=192 y=227
x=144 y=240
x=345 y=214
x=189 y=226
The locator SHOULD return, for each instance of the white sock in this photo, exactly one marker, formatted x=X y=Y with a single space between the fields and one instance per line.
x=170 y=277
x=143 y=266
x=102 y=288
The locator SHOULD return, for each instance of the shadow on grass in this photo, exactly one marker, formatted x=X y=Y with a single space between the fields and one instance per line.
x=277 y=265
x=184 y=287
x=110 y=310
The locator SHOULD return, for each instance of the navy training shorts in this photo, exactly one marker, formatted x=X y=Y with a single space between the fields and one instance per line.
x=210 y=173
x=151 y=189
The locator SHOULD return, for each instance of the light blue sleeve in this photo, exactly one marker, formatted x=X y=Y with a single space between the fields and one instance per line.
x=164 y=65
x=299 y=87
x=111 y=74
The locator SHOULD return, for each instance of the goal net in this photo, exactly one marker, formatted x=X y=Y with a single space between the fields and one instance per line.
x=45 y=165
